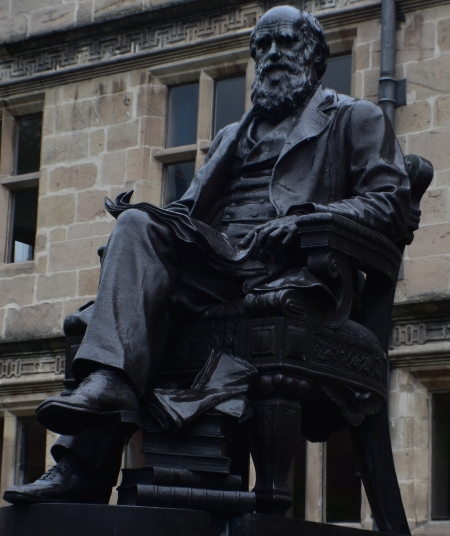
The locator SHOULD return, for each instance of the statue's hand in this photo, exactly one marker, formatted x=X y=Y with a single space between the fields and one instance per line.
x=272 y=236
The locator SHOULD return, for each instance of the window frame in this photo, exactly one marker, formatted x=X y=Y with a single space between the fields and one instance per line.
x=9 y=181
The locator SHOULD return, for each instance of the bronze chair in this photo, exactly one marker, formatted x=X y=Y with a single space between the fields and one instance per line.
x=322 y=365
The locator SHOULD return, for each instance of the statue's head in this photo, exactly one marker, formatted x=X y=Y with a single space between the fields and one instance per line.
x=290 y=53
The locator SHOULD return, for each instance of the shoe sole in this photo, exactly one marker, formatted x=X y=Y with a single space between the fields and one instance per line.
x=69 y=420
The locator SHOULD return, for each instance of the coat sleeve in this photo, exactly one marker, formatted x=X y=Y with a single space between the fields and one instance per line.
x=376 y=169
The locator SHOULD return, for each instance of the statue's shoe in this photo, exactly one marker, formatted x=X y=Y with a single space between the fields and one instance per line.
x=69 y=481
x=103 y=397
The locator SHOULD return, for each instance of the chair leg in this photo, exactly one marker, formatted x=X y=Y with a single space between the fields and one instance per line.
x=373 y=449
x=274 y=433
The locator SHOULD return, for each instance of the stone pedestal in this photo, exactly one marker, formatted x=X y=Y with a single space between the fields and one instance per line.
x=102 y=520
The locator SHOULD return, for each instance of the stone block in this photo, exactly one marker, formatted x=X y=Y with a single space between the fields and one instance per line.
x=371 y=78
x=362 y=57
x=56 y=210
x=140 y=77
x=97 y=142
x=114 y=167
x=43 y=182
x=57 y=235
x=443 y=35
x=59 y=285
x=152 y=100
x=42 y=264
x=14 y=29
x=4 y=12
x=138 y=164
x=357 y=83
x=368 y=31
x=91 y=229
x=112 y=109
x=84 y=12
x=48 y=124
x=71 y=305
x=442 y=110
x=16 y=268
x=442 y=178
x=430 y=240
x=40 y=242
x=90 y=205
x=111 y=8
x=153 y=131
x=88 y=282
x=422 y=464
x=432 y=145
x=414 y=117
x=428 y=77
x=34 y=322
x=74 y=254
x=434 y=206
x=149 y=191
x=86 y=89
x=80 y=177
x=65 y=148
x=424 y=277
x=52 y=19
x=2 y=322
x=416 y=40
x=26 y=6
x=17 y=290
x=122 y=136
x=404 y=463
x=76 y=116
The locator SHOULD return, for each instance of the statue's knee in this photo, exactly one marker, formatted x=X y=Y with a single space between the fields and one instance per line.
x=133 y=215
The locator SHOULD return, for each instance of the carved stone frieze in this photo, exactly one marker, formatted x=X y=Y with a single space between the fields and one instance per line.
x=17 y=367
x=420 y=333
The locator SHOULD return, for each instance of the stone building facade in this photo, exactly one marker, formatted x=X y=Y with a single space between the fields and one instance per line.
x=97 y=77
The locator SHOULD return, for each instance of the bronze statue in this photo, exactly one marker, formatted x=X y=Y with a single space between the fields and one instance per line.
x=301 y=153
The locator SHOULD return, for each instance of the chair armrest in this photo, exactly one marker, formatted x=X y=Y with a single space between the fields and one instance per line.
x=367 y=249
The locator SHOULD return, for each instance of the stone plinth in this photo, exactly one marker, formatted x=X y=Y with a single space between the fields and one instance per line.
x=102 y=520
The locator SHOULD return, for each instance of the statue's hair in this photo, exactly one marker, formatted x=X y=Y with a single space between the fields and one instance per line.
x=313 y=35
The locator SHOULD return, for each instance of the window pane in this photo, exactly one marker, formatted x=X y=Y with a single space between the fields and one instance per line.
x=299 y=488
x=178 y=179
x=229 y=101
x=28 y=148
x=31 y=439
x=441 y=456
x=24 y=224
x=343 y=480
x=183 y=111
x=339 y=74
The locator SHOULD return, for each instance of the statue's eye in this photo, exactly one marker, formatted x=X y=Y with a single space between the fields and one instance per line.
x=263 y=43
x=287 y=40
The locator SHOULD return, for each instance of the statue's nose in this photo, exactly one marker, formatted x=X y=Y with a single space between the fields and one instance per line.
x=274 y=53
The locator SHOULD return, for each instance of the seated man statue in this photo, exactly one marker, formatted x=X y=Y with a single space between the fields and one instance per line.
x=301 y=149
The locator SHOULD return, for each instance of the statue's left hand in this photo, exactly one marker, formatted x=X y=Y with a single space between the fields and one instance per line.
x=272 y=236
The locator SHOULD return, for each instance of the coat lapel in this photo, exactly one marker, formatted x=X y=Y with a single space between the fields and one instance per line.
x=312 y=121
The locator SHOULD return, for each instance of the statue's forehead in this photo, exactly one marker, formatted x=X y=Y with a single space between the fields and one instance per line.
x=276 y=23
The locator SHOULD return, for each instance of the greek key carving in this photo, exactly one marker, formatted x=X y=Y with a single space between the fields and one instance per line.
x=140 y=41
x=18 y=367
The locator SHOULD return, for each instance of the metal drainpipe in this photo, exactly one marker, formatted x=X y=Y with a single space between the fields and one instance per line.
x=391 y=92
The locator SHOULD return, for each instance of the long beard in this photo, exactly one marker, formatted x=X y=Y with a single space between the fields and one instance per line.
x=280 y=89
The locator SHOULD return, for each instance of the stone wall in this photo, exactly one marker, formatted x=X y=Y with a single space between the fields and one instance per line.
x=422 y=127
x=97 y=141
x=26 y=18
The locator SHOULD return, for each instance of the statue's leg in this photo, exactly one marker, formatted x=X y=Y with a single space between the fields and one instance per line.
x=87 y=468
x=372 y=446
x=274 y=434
x=139 y=270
